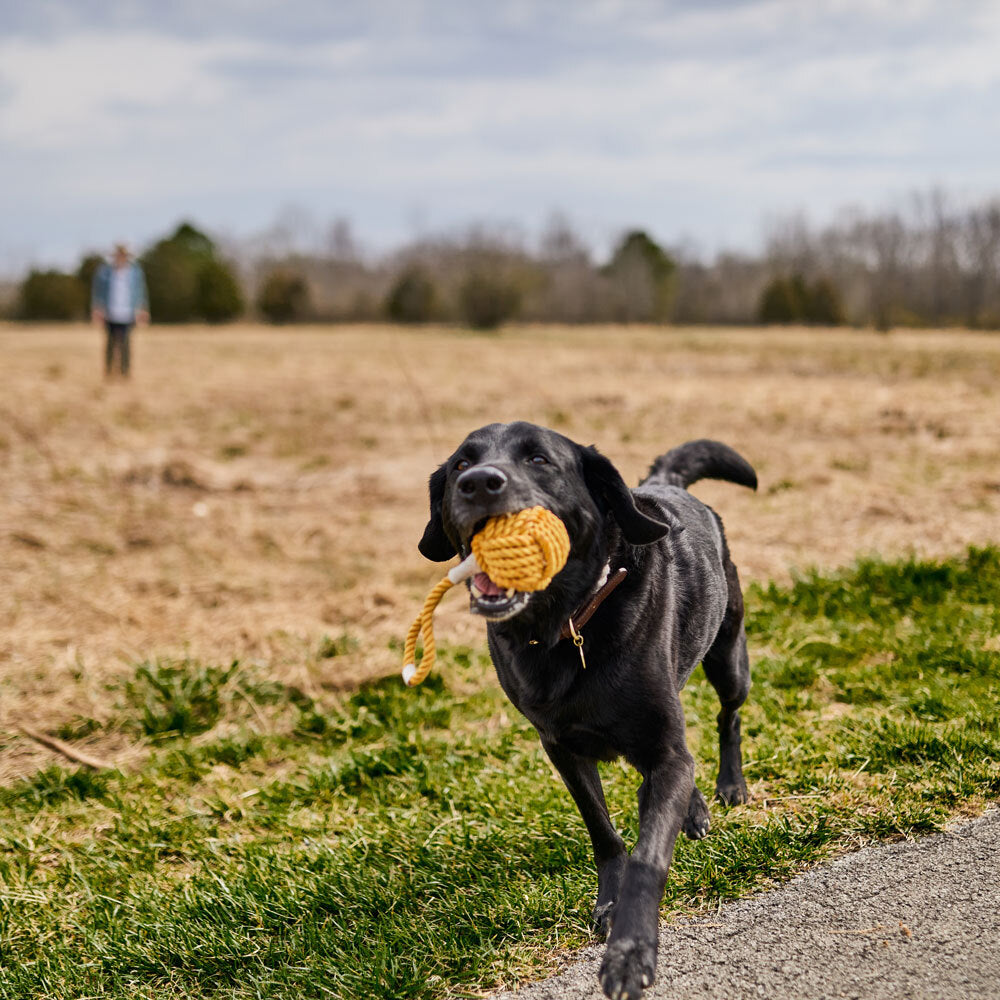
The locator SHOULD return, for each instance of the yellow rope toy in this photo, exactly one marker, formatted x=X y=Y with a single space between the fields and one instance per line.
x=523 y=550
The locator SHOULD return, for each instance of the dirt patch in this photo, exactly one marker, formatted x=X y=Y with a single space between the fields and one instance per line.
x=253 y=490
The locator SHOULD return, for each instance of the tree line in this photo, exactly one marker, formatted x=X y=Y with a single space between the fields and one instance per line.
x=186 y=276
x=930 y=264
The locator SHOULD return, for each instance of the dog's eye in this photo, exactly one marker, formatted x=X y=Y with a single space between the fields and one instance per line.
x=462 y=464
x=538 y=460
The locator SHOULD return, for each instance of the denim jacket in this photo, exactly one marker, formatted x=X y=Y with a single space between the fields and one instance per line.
x=102 y=284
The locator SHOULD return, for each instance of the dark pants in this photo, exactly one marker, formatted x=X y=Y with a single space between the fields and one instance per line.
x=117 y=342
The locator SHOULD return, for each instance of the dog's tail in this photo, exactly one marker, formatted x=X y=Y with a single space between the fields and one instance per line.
x=702 y=459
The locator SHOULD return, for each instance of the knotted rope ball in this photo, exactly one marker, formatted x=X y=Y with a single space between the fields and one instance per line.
x=523 y=550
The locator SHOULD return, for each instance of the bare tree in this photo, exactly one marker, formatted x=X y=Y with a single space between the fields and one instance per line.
x=340 y=241
x=569 y=288
x=981 y=250
x=934 y=278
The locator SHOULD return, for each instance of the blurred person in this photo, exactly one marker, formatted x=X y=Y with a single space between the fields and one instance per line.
x=119 y=300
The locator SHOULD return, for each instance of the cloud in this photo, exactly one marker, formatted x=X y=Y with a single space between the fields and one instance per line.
x=81 y=90
x=691 y=116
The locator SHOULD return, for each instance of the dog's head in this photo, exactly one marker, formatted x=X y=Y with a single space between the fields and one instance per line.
x=502 y=468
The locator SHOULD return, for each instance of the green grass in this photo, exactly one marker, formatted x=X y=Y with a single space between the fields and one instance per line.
x=415 y=844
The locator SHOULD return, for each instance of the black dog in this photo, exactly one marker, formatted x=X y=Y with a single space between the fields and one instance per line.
x=617 y=694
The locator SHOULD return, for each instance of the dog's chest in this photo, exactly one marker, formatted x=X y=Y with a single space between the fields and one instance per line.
x=575 y=729
x=586 y=742
x=563 y=700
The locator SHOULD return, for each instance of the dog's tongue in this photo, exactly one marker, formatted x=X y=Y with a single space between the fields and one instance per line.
x=486 y=585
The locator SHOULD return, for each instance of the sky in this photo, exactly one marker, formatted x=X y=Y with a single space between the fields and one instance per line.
x=699 y=121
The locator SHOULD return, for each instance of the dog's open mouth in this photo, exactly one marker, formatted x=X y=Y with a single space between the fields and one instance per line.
x=487 y=598
x=494 y=603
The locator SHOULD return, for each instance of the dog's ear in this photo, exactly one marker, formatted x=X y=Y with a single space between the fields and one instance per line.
x=435 y=544
x=610 y=493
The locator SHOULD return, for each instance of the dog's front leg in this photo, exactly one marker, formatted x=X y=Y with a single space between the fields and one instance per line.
x=630 y=959
x=581 y=777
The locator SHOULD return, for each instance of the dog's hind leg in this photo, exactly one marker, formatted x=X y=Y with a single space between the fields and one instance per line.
x=727 y=666
x=583 y=781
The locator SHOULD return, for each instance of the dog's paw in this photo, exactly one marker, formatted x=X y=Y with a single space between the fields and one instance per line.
x=609 y=881
x=602 y=915
x=697 y=822
x=732 y=793
x=628 y=967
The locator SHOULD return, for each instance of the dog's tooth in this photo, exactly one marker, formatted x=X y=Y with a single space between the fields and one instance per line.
x=511 y=591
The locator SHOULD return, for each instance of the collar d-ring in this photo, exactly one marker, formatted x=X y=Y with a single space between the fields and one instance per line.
x=578 y=642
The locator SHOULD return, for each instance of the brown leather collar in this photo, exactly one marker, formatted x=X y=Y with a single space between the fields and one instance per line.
x=585 y=611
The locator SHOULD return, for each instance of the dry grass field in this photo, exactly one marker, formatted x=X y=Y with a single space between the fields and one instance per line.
x=258 y=494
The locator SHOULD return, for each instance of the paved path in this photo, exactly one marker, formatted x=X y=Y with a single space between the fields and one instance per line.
x=918 y=920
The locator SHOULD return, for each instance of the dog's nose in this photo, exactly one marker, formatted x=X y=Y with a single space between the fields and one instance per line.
x=485 y=481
